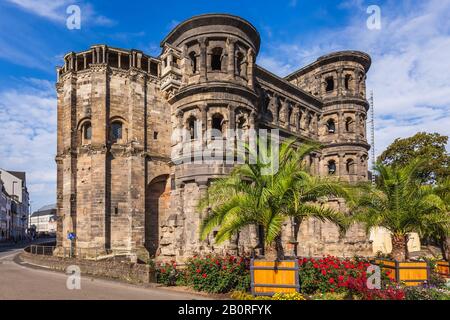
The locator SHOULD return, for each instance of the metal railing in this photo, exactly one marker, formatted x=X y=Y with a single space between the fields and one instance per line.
x=64 y=252
x=41 y=250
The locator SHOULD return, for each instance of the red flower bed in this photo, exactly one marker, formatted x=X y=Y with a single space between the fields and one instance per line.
x=331 y=274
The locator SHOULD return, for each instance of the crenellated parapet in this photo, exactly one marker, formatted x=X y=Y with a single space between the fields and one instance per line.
x=114 y=58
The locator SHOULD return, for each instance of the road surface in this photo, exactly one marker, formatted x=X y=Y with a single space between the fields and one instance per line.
x=22 y=282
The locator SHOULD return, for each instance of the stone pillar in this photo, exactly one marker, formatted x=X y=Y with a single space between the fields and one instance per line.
x=119 y=60
x=202 y=60
x=252 y=120
x=99 y=231
x=297 y=118
x=250 y=67
x=341 y=165
x=204 y=119
x=137 y=181
x=231 y=58
x=340 y=124
x=275 y=106
x=104 y=54
x=186 y=62
x=139 y=60
x=85 y=61
x=339 y=81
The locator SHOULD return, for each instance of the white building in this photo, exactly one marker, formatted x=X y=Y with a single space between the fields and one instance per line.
x=17 y=207
x=44 y=220
x=5 y=211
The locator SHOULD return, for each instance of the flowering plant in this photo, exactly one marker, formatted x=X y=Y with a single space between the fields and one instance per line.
x=218 y=274
x=345 y=276
x=167 y=273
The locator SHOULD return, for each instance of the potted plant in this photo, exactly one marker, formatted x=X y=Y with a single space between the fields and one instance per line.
x=402 y=204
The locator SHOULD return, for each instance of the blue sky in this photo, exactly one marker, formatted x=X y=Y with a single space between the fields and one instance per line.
x=410 y=73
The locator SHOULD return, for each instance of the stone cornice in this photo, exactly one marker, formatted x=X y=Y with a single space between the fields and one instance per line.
x=267 y=78
x=213 y=86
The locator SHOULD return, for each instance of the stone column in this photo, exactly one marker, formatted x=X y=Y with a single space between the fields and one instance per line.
x=137 y=181
x=202 y=62
x=204 y=115
x=119 y=60
x=104 y=54
x=341 y=165
x=203 y=191
x=339 y=81
x=139 y=60
x=250 y=67
x=231 y=58
x=99 y=230
x=340 y=124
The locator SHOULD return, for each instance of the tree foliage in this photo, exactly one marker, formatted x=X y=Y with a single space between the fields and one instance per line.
x=402 y=204
x=429 y=146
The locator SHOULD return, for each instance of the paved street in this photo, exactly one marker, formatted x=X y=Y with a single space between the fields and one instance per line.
x=20 y=282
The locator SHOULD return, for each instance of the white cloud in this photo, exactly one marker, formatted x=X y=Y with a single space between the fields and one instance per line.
x=410 y=64
x=28 y=136
x=50 y=9
x=55 y=10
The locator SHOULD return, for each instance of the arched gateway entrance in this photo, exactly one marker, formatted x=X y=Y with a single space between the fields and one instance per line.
x=157 y=203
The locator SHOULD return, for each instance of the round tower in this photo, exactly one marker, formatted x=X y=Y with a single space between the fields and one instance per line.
x=207 y=74
x=342 y=129
x=338 y=79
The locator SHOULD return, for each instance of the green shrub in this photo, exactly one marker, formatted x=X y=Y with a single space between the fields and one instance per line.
x=167 y=273
x=331 y=296
x=427 y=293
x=215 y=274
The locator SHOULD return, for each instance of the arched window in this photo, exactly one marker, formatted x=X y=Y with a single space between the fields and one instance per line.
x=329 y=84
x=216 y=59
x=240 y=65
x=192 y=127
x=193 y=59
x=217 y=125
x=241 y=122
x=87 y=131
x=116 y=131
x=349 y=125
x=347 y=81
x=331 y=167
x=350 y=166
x=331 y=126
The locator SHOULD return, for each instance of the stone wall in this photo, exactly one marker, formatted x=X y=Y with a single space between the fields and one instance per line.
x=110 y=268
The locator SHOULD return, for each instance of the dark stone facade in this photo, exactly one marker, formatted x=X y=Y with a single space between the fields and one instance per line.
x=119 y=187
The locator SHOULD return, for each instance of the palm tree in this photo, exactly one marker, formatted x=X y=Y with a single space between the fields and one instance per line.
x=400 y=203
x=442 y=232
x=250 y=197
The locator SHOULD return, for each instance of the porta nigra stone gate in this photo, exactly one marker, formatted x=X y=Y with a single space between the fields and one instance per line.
x=118 y=188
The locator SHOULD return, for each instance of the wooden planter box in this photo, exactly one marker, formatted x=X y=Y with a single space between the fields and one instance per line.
x=412 y=273
x=443 y=268
x=270 y=277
